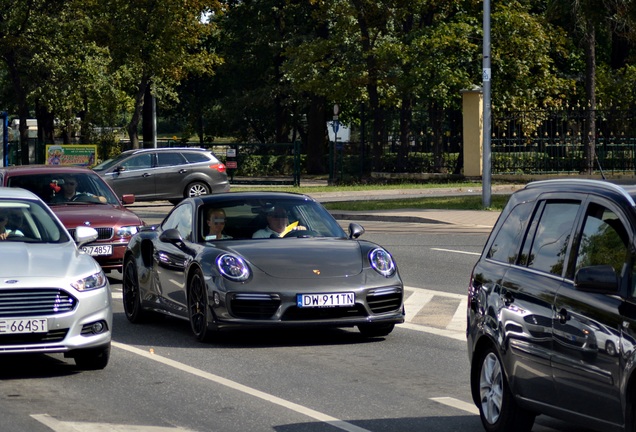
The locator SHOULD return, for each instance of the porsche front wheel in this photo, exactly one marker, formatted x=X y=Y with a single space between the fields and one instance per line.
x=198 y=306
x=131 y=294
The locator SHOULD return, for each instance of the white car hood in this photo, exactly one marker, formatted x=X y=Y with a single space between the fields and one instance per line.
x=20 y=260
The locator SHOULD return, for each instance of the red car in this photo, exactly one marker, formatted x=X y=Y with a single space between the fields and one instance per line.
x=79 y=197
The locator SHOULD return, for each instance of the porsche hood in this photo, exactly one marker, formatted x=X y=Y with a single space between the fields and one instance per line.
x=302 y=258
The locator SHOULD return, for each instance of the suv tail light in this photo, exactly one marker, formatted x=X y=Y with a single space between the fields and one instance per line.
x=219 y=167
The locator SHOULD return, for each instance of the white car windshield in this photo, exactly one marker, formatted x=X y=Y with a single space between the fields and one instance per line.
x=29 y=221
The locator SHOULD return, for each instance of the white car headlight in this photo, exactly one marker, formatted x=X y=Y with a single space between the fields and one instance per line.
x=94 y=281
x=127 y=231
x=382 y=262
x=233 y=267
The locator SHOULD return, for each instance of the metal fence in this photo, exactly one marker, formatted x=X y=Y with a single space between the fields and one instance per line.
x=522 y=142
x=554 y=141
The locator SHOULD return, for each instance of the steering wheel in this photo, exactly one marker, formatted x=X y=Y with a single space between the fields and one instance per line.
x=301 y=233
x=85 y=198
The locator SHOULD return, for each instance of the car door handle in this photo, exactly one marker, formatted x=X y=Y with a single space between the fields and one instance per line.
x=562 y=316
x=145 y=175
x=183 y=171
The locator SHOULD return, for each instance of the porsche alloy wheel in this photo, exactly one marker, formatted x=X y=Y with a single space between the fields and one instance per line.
x=198 y=307
x=131 y=294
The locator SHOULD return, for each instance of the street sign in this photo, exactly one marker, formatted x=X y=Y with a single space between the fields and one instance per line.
x=231 y=164
x=335 y=125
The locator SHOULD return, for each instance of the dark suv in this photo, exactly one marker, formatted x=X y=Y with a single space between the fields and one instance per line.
x=171 y=173
x=552 y=309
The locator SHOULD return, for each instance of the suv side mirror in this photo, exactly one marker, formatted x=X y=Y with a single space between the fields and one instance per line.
x=599 y=278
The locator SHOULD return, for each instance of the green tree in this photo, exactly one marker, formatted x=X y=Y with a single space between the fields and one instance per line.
x=155 y=43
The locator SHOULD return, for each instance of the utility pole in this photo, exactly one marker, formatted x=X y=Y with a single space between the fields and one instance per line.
x=487 y=165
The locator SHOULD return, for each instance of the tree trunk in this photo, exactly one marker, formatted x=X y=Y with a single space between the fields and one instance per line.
x=148 y=115
x=590 y=89
x=317 y=146
x=133 y=126
x=406 y=113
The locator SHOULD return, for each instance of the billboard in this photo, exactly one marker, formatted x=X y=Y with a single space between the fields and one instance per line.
x=71 y=154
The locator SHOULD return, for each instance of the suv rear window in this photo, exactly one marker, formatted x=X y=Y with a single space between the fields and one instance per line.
x=170 y=159
x=196 y=157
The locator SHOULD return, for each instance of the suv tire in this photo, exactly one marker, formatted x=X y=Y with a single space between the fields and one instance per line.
x=497 y=408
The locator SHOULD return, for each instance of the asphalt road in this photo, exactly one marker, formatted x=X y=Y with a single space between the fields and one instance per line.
x=161 y=379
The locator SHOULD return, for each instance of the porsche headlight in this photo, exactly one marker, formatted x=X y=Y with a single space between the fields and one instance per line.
x=127 y=231
x=94 y=281
x=382 y=262
x=233 y=267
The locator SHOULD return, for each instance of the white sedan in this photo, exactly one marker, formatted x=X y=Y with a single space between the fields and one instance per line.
x=54 y=298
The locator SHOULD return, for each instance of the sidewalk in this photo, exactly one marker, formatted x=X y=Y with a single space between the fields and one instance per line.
x=468 y=218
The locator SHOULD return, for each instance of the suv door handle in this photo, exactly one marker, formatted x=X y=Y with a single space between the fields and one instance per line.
x=145 y=175
x=183 y=171
x=562 y=316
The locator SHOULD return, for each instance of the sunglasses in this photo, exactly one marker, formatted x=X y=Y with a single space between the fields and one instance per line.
x=278 y=215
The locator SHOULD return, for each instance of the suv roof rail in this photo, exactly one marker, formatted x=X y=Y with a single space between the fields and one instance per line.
x=589 y=182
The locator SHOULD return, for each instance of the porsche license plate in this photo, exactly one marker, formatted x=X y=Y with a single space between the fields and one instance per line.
x=26 y=325
x=98 y=250
x=325 y=300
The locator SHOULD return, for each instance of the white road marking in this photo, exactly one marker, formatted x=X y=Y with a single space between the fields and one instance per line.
x=456 y=403
x=456 y=329
x=436 y=293
x=416 y=302
x=456 y=251
x=340 y=424
x=64 y=426
x=452 y=334
x=458 y=322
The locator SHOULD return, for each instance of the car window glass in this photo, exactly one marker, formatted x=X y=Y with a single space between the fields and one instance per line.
x=550 y=242
x=603 y=239
x=169 y=159
x=506 y=243
x=142 y=161
x=31 y=222
x=195 y=157
x=181 y=220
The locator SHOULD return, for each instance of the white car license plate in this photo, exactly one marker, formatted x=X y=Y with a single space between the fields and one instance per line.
x=325 y=300
x=27 y=325
x=98 y=250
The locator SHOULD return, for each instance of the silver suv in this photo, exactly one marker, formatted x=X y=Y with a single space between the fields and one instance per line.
x=165 y=173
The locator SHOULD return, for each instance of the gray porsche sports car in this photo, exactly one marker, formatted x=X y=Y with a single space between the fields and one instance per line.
x=259 y=259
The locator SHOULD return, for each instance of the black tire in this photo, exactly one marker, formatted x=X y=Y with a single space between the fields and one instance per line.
x=93 y=358
x=375 y=330
x=197 y=189
x=131 y=294
x=497 y=408
x=198 y=306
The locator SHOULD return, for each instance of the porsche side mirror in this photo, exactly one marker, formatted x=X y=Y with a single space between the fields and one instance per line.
x=355 y=230
x=171 y=235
